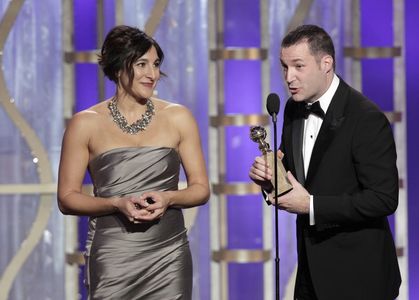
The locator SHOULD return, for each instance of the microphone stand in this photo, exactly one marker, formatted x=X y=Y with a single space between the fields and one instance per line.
x=276 y=208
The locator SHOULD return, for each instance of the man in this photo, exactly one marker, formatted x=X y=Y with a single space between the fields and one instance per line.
x=340 y=153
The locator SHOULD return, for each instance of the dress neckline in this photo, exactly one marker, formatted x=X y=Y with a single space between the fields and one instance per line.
x=130 y=148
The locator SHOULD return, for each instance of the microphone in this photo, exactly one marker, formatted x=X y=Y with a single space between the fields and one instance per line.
x=272 y=105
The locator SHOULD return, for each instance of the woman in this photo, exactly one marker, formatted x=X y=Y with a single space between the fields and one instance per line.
x=137 y=246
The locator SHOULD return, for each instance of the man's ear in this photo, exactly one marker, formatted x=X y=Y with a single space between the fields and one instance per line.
x=327 y=63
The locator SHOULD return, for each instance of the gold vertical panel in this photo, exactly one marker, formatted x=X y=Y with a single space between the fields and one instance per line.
x=119 y=12
x=28 y=189
x=71 y=273
x=300 y=14
x=372 y=52
x=400 y=251
x=68 y=66
x=356 y=68
x=81 y=56
x=267 y=228
x=401 y=232
x=241 y=255
x=38 y=151
x=242 y=188
x=393 y=116
x=239 y=120
x=239 y=53
x=76 y=258
x=155 y=16
x=46 y=188
x=214 y=216
x=221 y=147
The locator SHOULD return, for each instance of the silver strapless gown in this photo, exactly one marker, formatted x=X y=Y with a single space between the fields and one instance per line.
x=137 y=261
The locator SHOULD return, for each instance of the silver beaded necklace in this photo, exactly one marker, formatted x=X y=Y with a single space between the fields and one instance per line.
x=139 y=125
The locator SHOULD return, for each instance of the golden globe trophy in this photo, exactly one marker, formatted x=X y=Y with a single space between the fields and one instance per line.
x=258 y=135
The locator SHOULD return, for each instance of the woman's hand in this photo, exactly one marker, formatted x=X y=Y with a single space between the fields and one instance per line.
x=131 y=207
x=150 y=206
x=154 y=203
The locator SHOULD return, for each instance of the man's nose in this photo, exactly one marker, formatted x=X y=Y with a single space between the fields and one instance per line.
x=289 y=76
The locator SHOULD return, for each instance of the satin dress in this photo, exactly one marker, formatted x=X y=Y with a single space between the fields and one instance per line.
x=137 y=261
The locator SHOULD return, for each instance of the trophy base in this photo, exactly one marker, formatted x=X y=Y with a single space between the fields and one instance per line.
x=284 y=184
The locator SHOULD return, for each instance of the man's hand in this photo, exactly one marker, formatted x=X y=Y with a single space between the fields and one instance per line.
x=261 y=172
x=297 y=201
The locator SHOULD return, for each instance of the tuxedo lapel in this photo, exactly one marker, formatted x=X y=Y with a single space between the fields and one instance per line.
x=331 y=124
x=297 y=140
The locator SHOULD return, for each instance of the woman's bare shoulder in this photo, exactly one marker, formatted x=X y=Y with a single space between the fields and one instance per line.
x=89 y=117
x=179 y=117
x=172 y=110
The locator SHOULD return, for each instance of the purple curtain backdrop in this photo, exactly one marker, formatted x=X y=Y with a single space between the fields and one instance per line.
x=412 y=91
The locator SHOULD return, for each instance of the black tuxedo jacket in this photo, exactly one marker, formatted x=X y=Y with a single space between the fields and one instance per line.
x=354 y=181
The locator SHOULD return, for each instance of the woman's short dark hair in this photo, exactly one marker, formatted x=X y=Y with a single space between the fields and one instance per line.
x=319 y=41
x=122 y=47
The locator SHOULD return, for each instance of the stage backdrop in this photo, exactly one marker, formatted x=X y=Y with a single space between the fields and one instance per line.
x=32 y=69
x=31 y=126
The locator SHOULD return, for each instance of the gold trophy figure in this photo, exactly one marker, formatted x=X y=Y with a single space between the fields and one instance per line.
x=258 y=135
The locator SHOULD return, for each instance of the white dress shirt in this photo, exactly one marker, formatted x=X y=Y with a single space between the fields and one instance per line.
x=311 y=129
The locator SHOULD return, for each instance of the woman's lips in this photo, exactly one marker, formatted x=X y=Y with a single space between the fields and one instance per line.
x=149 y=85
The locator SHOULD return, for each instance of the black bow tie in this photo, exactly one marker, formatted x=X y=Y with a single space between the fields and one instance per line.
x=314 y=108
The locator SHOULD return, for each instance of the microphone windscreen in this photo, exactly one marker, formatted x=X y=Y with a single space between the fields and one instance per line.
x=272 y=104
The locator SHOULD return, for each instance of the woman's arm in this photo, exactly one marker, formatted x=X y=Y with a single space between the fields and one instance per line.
x=73 y=166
